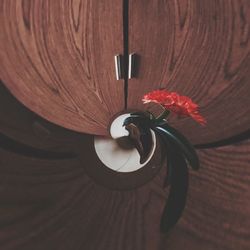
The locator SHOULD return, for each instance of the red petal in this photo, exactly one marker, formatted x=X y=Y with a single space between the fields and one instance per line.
x=172 y=101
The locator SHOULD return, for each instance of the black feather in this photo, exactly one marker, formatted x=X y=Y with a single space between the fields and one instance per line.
x=180 y=142
x=167 y=180
x=178 y=190
x=140 y=120
x=140 y=137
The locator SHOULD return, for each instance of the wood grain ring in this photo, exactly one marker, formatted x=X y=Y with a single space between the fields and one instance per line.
x=117 y=180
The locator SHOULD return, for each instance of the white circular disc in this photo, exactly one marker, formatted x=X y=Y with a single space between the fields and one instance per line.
x=115 y=156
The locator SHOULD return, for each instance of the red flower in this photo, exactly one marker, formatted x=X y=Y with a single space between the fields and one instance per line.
x=180 y=105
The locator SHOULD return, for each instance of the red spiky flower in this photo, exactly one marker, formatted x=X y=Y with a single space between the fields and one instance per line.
x=178 y=104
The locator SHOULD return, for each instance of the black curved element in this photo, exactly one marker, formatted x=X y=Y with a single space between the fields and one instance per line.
x=178 y=151
x=169 y=172
x=231 y=140
x=180 y=142
x=141 y=138
x=138 y=118
x=178 y=190
x=11 y=145
x=138 y=126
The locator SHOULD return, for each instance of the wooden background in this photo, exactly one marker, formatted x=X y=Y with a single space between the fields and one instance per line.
x=47 y=200
x=51 y=203
x=57 y=57
x=200 y=49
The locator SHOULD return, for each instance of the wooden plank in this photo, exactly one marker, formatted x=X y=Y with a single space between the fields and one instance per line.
x=53 y=204
x=199 y=49
x=57 y=58
x=34 y=193
x=23 y=126
x=218 y=207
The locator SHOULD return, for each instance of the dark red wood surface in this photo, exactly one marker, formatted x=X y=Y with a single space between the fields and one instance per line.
x=53 y=204
x=57 y=57
x=116 y=180
x=218 y=207
x=199 y=49
x=24 y=126
x=47 y=200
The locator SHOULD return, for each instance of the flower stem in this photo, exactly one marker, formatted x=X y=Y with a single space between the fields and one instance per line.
x=163 y=115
